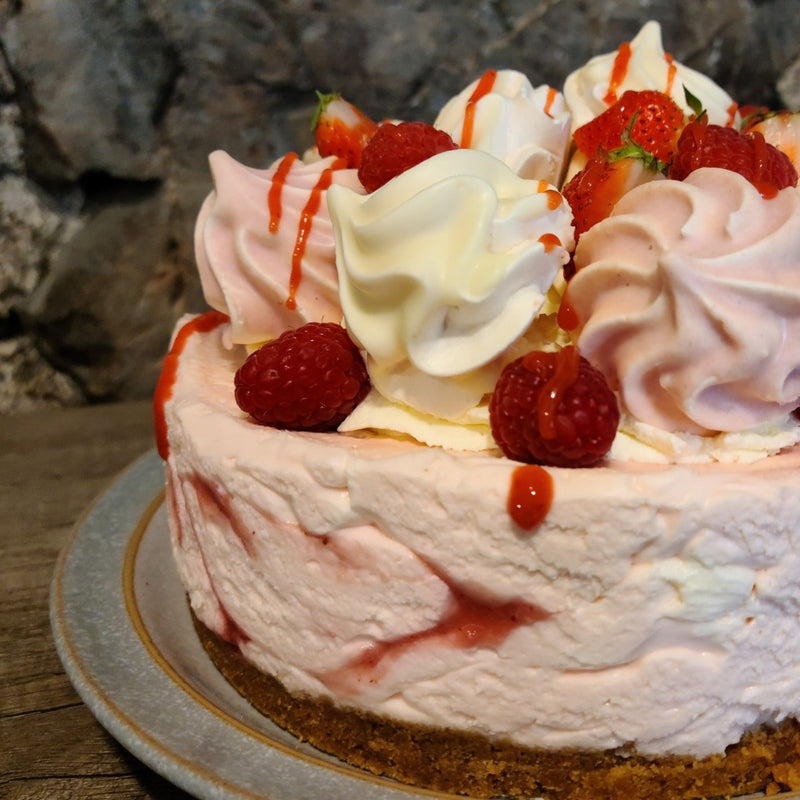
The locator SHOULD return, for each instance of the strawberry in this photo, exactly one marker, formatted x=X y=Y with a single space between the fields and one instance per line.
x=751 y=115
x=340 y=129
x=395 y=148
x=782 y=130
x=309 y=378
x=594 y=191
x=554 y=409
x=704 y=145
x=652 y=119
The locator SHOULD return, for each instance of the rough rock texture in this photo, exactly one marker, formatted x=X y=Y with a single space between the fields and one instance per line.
x=108 y=112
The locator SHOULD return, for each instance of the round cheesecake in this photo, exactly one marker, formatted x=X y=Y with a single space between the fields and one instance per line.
x=381 y=590
x=400 y=592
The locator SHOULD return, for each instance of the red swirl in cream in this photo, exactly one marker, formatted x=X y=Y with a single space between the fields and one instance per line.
x=688 y=298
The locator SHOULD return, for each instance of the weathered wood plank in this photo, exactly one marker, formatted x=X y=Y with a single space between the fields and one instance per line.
x=52 y=464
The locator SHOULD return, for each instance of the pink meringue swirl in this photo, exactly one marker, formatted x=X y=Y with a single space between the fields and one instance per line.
x=246 y=268
x=688 y=299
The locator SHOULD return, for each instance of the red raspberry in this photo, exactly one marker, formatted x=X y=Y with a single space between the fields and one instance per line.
x=704 y=145
x=308 y=379
x=554 y=409
x=395 y=148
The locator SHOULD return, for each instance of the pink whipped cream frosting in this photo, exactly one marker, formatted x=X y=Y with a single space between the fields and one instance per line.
x=246 y=268
x=688 y=298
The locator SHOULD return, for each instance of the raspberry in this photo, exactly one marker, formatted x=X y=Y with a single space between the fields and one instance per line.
x=553 y=409
x=395 y=148
x=309 y=379
x=704 y=145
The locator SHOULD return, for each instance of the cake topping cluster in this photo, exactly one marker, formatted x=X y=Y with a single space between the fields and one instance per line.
x=609 y=226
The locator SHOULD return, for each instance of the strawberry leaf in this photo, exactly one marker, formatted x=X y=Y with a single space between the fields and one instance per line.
x=323 y=101
x=694 y=103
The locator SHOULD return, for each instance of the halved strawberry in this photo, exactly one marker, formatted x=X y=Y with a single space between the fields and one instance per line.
x=652 y=119
x=340 y=129
x=593 y=192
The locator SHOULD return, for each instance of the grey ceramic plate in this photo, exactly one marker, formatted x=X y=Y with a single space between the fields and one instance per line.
x=124 y=634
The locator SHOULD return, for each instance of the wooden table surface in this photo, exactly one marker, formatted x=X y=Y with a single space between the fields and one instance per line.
x=53 y=463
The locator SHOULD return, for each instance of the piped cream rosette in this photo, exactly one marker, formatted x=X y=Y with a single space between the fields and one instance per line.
x=442 y=272
x=688 y=297
x=528 y=128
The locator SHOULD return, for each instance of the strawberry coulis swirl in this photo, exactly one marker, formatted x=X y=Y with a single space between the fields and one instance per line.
x=469 y=621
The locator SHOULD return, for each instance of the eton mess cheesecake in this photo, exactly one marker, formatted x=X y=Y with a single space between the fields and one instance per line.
x=483 y=470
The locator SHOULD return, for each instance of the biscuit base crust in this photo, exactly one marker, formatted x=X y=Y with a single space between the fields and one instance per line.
x=445 y=760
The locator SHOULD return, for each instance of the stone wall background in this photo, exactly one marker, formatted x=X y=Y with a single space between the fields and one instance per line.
x=108 y=111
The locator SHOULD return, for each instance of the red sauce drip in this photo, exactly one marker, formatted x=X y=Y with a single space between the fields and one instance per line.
x=767 y=190
x=567 y=318
x=529 y=496
x=169 y=369
x=276 y=190
x=231 y=631
x=483 y=88
x=554 y=198
x=551 y=96
x=672 y=70
x=470 y=622
x=550 y=241
x=618 y=72
x=563 y=377
x=304 y=229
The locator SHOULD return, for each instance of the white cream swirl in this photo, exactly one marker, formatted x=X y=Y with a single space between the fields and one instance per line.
x=246 y=269
x=528 y=128
x=441 y=270
x=649 y=67
x=688 y=298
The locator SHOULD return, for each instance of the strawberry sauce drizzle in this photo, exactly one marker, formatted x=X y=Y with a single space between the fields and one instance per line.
x=567 y=317
x=554 y=197
x=469 y=622
x=550 y=241
x=563 y=377
x=530 y=495
x=672 y=71
x=551 y=97
x=310 y=210
x=483 y=88
x=618 y=72
x=169 y=370
x=276 y=190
